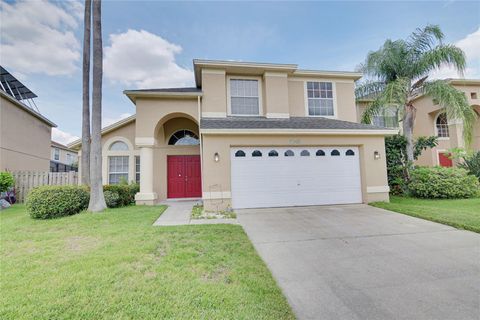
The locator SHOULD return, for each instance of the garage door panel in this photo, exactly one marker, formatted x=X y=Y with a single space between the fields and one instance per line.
x=295 y=181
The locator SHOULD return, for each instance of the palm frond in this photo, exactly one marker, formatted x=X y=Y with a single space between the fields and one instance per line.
x=422 y=40
x=373 y=109
x=455 y=104
x=442 y=55
x=369 y=89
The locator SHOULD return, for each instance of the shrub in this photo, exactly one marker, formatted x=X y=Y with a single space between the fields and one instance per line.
x=441 y=182
x=6 y=181
x=112 y=199
x=471 y=163
x=47 y=202
x=126 y=192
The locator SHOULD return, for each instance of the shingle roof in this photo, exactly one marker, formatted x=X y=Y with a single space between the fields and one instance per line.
x=186 y=89
x=288 y=123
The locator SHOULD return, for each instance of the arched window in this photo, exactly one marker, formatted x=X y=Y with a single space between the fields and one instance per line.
x=442 y=126
x=239 y=153
x=335 y=152
x=118 y=146
x=349 y=152
x=273 y=153
x=320 y=153
x=289 y=153
x=184 y=138
x=256 y=153
x=305 y=153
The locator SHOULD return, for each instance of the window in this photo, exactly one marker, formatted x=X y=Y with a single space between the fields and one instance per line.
x=256 y=153
x=335 y=152
x=388 y=118
x=137 y=169
x=289 y=153
x=320 y=98
x=349 y=153
x=239 y=153
x=56 y=154
x=442 y=126
x=117 y=169
x=184 y=138
x=244 y=98
x=118 y=146
x=305 y=153
x=273 y=153
x=320 y=153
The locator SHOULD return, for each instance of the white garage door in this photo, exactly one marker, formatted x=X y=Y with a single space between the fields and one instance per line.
x=300 y=176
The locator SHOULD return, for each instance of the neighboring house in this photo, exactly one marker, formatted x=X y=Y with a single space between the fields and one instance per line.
x=249 y=135
x=431 y=121
x=24 y=133
x=63 y=159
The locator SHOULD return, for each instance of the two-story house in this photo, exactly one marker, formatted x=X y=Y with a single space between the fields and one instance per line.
x=249 y=135
x=431 y=120
x=63 y=159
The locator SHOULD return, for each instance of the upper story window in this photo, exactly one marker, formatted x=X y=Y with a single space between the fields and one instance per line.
x=56 y=154
x=320 y=98
x=441 y=125
x=244 y=97
x=387 y=118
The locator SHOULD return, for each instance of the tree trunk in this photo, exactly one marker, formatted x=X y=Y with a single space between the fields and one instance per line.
x=97 y=200
x=408 y=122
x=85 y=158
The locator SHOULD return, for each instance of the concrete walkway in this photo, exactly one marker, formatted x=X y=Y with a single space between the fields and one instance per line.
x=178 y=213
x=360 y=262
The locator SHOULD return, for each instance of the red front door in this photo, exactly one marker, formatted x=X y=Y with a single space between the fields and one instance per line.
x=184 y=177
x=444 y=160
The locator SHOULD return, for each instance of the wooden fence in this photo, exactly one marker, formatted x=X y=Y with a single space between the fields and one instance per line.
x=27 y=180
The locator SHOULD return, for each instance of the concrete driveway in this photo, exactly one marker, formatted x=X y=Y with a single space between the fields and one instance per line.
x=360 y=262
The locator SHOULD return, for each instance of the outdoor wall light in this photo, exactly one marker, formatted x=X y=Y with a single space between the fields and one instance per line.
x=216 y=157
x=376 y=155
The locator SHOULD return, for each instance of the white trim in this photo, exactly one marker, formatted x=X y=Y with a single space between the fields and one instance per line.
x=302 y=79
x=224 y=63
x=216 y=195
x=213 y=71
x=341 y=74
x=334 y=98
x=275 y=74
x=144 y=141
x=435 y=126
x=300 y=131
x=183 y=145
x=260 y=94
x=378 y=189
x=214 y=114
x=276 y=115
x=131 y=153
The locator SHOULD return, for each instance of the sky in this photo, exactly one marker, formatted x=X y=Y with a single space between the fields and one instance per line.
x=151 y=44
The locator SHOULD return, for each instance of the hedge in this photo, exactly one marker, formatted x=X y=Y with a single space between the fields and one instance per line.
x=126 y=192
x=47 y=202
x=441 y=182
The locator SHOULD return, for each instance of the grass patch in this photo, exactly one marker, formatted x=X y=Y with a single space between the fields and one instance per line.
x=116 y=265
x=458 y=213
x=199 y=213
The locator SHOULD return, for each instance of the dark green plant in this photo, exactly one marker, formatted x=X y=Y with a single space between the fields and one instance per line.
x=443 y=183
x=471 y=163
x=112 y=199
x=47 y=202
x=6 y=181
x=126 y=192
x=398 y=166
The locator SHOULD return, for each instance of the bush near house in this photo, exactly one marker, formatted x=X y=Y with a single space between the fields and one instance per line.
x=126 y=192
x=112 y=199
x=6 y=181
x=48 y=202
x=441 y=182
x=471 y=163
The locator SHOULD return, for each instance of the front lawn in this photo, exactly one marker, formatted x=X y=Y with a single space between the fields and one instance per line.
x=116 y=265
x=461 y=213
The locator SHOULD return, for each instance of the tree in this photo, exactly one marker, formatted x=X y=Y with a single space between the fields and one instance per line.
x=97 y=199
x=399 y=73
x=85 y=158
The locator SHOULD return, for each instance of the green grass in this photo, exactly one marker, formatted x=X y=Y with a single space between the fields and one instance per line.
x=459 y=213
x=116 y=265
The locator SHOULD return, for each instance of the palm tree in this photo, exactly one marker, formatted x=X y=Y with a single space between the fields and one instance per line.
x=97 y=199
x=85 y=160
x=399 y=73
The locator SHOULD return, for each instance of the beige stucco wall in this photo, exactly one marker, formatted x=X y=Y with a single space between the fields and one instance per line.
x=276 y=95
x=216 y=184
x=214 y=100
x=24 y=139
x=63 y=155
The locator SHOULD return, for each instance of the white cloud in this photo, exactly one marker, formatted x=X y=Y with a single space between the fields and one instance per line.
x=471 y=46
x=111 y=120
x=142 y=59
x=62 y=136
x=38 y=36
